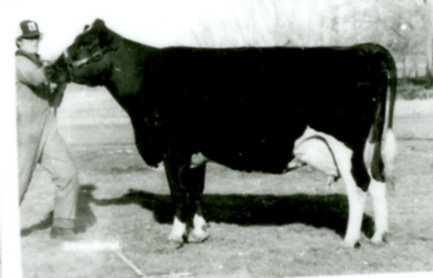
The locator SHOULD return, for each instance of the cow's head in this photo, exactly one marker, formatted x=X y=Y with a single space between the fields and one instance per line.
x=88 y=59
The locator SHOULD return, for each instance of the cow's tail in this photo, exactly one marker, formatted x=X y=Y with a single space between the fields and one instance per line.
x=389 y=150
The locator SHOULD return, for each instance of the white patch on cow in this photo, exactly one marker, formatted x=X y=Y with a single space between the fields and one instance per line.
x=160 y=167
x=198 y=160
x=178 y=232
x=80 y=62
x=312 y=151
x=65 y=53
x=331 y=182
x=331 y=185
x=378 y=193
x=368 y=154
x=198 y=234
x=317 y=154
x=296 y=163
x=389 y=152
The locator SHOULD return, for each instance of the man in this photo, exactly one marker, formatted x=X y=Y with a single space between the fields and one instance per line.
x=38 y=138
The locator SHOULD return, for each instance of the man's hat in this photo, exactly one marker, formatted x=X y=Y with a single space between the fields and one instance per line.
x=30 y=29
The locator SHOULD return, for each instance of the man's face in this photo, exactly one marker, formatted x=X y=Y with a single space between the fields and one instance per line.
x=29 y=45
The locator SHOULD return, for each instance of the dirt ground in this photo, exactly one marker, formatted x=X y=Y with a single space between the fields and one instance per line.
x=260 y=225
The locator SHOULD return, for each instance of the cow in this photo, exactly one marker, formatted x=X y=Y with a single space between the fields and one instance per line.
x=252 y=109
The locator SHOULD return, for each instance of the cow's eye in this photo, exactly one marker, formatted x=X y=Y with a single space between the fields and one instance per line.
x=97 y=56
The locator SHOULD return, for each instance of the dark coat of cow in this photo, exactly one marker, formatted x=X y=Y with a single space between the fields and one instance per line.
x=240 y=107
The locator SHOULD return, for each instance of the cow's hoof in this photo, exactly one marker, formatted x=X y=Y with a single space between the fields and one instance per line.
x=197 y=236
x=177 y=238
x=380 y=238
x=351 y=243
x=178 y=233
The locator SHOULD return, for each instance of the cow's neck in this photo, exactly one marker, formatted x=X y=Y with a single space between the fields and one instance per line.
x=126 y=81
x=128 y=69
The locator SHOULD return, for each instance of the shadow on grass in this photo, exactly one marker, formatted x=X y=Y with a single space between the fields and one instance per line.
x=321 y=211
x=85 y=217
x=44 y=224
x=327 y=211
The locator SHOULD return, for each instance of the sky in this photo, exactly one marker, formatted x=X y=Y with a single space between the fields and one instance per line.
x=61 y=23
x=159 y=23
x=162 y=22
x=175 y=22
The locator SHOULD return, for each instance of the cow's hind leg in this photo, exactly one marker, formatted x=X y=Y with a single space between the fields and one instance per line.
x=350 y=164
x=377 y=189
x=356 y=178
x=196 y=179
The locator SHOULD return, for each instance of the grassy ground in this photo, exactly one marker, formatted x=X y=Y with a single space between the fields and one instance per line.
x=260 y=225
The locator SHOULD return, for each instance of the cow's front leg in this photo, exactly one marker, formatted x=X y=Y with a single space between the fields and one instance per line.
x=196 y=179
x=173 y=167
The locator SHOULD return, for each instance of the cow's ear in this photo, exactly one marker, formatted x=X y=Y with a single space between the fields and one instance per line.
x=98 y=23
x=105 y=37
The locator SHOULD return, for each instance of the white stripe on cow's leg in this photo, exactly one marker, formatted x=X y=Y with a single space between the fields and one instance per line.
x=195 y=178
x=368 y=153
x=356 y=199
x=198 y=233
x=178 y=232
x=378 y=193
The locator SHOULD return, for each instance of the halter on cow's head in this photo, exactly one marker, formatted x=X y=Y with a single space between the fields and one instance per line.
x=88 y=58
